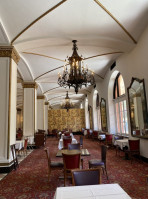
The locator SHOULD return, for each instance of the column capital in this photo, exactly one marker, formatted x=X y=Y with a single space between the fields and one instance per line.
x=29 y=85
x=46 y=103
x=9 y=51
x=40 y=97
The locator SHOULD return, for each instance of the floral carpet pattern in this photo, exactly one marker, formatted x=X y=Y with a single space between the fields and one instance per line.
x=30 y=180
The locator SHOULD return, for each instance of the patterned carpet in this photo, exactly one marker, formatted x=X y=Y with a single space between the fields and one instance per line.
x=30 y=180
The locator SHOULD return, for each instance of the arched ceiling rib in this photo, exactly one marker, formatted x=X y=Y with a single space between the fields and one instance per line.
x=104 y=30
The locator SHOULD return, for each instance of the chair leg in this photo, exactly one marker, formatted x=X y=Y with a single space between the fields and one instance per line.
x=106 y=172
x=64 y=178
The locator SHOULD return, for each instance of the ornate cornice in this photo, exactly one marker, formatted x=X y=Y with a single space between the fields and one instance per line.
x=9 y=51
x=41 y=97
x=46 y=103
x=30 y=85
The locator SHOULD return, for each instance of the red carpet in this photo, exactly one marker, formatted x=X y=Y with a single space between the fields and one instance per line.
x=31 y=178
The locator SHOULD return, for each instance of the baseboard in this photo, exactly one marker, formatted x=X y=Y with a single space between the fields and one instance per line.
x=6 y=169
x=144 y=159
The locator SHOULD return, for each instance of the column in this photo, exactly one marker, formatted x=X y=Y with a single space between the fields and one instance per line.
x=9 y=59
x=46 y=116
x=30 y=109
x=40 y=112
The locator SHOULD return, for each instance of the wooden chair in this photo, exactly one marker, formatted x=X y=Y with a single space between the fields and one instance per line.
x=75 y=147
x=94 y=163
x=24 y=149
x=51 y=164
x=71 y=161
x=14 y=156
x=134 y=148
x=66 y=140
x=86 y=177
x=109 y=140
x=40 y=139
x=95 y=135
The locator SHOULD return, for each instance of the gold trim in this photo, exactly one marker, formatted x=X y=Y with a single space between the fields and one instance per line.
x=36 y=20
x=6 y=164
x=116 y=21
x=30 y=85
x=43 y=56
x=83 y=59
x=9 y=107
x=102 y=55
x=9 y=51
x=51 y=89
x=46 y=103
x=47 y=72
x=19 y=80
x=41 y=97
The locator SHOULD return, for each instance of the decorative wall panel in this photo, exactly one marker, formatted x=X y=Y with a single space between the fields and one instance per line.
x=60 y=119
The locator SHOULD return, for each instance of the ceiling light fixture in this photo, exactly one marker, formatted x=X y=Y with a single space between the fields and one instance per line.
x=67 y=104
x=78 y=75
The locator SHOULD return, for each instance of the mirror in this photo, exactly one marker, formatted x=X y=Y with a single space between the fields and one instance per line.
x=138 y=108
x=103 y=114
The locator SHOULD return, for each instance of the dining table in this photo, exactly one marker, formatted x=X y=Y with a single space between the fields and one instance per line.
x=102 y=191
x=84 y=152
x=19 y=144
x=121 y=143
x=60 y=145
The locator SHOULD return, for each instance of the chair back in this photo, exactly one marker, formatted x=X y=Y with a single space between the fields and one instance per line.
x=109 y=138
x=66 y=141
x=95 y=134
x=71 y=161
x=74 y=146
x=66 y=134
x=86 y=177
x=134 y=145
x=39 y=139
x=103 y=153
x=25 y=143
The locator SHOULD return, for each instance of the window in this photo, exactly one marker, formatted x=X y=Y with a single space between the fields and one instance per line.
x=120 y=105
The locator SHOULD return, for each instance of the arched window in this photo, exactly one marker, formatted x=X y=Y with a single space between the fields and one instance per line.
x=120 y=105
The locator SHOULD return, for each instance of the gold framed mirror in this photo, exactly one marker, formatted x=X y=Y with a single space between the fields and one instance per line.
x=103 y=114
x=138 y=108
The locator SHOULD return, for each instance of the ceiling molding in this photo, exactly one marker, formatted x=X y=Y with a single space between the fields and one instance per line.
x=36 y=20
x=123 y=28
x=47 y=72
x=51 y=89
x=41 y=55
x=83 y=59
x=102 y=55
x=69 y=94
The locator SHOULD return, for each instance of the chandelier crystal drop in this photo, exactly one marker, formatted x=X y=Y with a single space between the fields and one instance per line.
x=77 y=75
x=67 y=104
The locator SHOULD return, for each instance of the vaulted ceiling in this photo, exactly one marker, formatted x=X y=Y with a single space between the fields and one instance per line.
x=42 y=32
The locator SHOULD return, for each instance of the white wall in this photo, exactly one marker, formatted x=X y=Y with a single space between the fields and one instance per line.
x=132 y=64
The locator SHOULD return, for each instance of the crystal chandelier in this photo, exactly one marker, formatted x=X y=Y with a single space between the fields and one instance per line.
x=78 y=75
x=67 y=105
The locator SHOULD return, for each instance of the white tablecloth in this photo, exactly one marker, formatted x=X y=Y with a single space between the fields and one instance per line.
x=103 y=191
x=121 y=143
x=30 y=139
x=19 y=144
x=60 y=146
